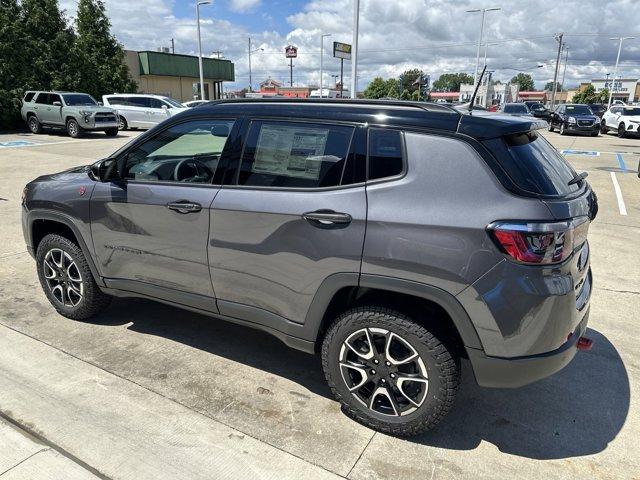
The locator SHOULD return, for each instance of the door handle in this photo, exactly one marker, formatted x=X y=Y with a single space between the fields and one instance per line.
x=184 y=206
x=327 y=219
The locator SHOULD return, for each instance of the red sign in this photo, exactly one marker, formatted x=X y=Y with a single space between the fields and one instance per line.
x=290 y=51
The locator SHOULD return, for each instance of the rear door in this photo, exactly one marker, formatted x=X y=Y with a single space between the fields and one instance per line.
x=292 y=215
x=151 y=228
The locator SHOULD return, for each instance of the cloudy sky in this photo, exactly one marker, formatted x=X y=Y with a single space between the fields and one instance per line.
x=437 y=36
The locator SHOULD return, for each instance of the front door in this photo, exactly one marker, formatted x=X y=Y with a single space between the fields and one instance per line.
x=287 y=222
x=150 y=229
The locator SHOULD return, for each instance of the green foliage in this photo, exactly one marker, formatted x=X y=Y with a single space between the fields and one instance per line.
x=524 y=81
x=549 y=87
x=450 y=82
x=393 y=88
x=376 y=89
x=40 y=51
x=589 y=95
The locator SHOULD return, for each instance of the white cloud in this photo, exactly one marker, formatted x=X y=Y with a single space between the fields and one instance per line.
x=244 y=5
x=434 y=35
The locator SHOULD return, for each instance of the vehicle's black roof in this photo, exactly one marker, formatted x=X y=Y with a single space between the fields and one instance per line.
x=478 y=124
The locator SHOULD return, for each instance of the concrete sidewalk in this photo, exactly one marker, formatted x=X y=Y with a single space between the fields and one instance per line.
x=120 y=429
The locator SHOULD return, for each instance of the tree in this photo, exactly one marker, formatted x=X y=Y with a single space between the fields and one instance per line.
x=549 y=87
x=393 y=87
x=589 y=95
x=450 y=82
x=376 y=89
x=102 y=57
x=13 y=72
x=524 y=81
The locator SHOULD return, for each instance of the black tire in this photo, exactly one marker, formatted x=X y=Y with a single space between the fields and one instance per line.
x=562 y=130
x=73 y=128
x=595 y=134
x=603 y=128
x=34 y=124
x=622 y=131
x=550 y=127
x=436 y=396
x=122 y=123
x=111 y=132
x=91 y=301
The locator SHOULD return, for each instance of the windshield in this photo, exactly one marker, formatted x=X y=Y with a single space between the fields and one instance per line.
x=631 y=111
x=172 y=102
x=579 y=110
x=516 y=108
x=78 y=99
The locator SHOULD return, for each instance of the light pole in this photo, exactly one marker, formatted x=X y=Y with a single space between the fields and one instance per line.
x=250 y=52
x=321 y=59
x=615 y=71
x=564 y=70
x=354 y=48
x=200 y=2
x=486 y=47
x=483 y=11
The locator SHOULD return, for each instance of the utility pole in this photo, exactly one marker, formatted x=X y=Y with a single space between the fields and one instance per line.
x=483 y=11
x=201 y=2
x=615 y=71
x=564 y=71
x=250 y=84
x=354 y=49
x=291 y=71
x=555 y=75
x=173 y=46
x=218 y=53
x=322 y=35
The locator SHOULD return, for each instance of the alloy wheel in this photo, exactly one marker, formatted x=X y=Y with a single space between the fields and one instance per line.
x=383 y=372
x=121 y=123
x=73 y=129
x=33 y=124
x=63 y=277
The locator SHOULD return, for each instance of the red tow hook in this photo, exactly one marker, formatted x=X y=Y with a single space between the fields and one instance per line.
x=584 y=344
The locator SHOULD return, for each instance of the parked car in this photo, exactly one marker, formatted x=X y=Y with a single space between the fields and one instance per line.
x=75 y=112
x=598 y=108
x=142 y=110
x=194 y=103
x=538 y=110
x=575 y=118
x=518 y=109
x=622 y=119
x=475 y=247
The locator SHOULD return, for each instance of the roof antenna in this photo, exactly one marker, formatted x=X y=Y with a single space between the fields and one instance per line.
x=475 y=92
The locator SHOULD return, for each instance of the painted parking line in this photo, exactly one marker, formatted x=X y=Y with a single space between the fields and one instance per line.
x=620 y=159
x=586 y=153
x=24 y=143
x=616 y=187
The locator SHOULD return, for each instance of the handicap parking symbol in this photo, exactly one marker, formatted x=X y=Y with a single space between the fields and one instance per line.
x=15 y=143
x=587 y=153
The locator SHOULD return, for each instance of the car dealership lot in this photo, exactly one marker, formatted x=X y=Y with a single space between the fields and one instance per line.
x=151 y=391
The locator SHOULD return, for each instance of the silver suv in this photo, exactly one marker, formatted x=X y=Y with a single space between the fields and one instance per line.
x=75 y=112
x=393 y=239
x=137 y=110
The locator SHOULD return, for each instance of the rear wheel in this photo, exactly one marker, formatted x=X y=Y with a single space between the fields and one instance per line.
x=622 y=131
x=111 y=132
x=66 y=279
x=389 y=372
x=122 y=123
x=73 y=128
x=34 y=124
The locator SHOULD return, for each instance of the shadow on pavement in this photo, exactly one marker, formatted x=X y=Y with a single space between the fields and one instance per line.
x=576 y=412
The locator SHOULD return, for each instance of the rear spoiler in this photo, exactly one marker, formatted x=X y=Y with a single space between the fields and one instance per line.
x=484 y=125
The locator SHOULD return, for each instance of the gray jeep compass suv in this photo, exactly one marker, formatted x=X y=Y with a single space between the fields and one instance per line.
x=394 y=239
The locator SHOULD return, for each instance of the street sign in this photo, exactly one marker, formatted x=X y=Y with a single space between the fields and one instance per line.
x=342 y=50
x=290 y=51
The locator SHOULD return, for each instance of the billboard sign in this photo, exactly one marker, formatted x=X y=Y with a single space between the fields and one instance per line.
x=342 y=50
x=290 y=51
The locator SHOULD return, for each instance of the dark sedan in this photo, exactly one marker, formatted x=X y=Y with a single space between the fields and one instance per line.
x=575 y=118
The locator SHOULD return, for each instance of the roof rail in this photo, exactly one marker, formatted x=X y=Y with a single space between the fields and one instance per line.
x=427 y=106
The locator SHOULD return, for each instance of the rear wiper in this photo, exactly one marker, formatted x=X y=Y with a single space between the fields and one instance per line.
x=578 y=178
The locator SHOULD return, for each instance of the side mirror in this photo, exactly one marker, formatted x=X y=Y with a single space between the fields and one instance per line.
x=104 y=170
x=57 y=104
x=100 y=103
x=165 y=107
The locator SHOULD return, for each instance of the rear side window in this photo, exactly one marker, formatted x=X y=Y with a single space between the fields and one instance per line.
x=385 y=153
x=295 y=155
x=42 y=98
x=138 y=102
x=535 y=165
x=29 y=96
x=116 y=101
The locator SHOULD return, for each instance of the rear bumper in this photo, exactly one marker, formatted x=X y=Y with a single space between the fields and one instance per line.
x=515 y=372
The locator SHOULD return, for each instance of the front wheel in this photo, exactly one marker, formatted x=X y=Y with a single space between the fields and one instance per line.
x=122 y=123
x=550 y=126
x=73 y=128
x=66 y=279
x=603 y=128
x=111 y=132
x=622 y=131
x=562 y=132
x=389 y=372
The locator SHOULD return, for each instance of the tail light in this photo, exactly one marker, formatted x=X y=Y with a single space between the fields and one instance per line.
x=539 y=243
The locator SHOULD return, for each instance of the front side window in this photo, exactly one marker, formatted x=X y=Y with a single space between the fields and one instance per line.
x=78 y=99
x=630 y=111
x=172 y=102
x=142 y=102
x=53 y=97
x=385 y=153
x=187 y=153
x=295 y=155
x=155 y=103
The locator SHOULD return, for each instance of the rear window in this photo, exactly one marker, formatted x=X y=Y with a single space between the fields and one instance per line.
x=516 y=108
x=534 y=165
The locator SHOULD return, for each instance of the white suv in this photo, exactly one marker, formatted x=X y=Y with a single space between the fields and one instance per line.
x=142 y=110
x=623 y=119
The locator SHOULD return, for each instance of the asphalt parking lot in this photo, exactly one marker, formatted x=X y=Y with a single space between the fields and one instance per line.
x=149 y=391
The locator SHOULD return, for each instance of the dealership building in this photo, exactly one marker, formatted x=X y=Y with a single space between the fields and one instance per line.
x=625 y=89
x=178 y=76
